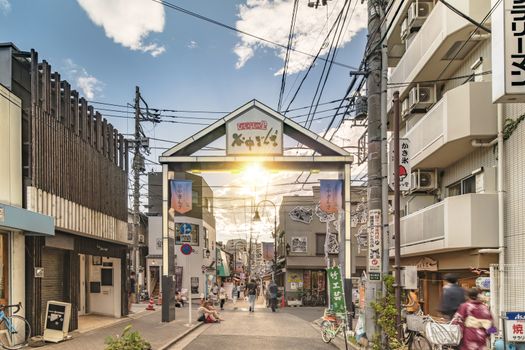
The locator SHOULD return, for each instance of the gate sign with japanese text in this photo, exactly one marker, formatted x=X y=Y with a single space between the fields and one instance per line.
x=375 y=244
x=336 y=290
x=404 y=165
x=515 y=327
x=254 y=133
x=508 y=51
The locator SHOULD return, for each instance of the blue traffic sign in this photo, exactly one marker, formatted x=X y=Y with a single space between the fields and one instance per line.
x=185 y=229
x=186 y=249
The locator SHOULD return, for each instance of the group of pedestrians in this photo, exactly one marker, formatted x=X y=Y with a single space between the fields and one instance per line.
x=470 y=314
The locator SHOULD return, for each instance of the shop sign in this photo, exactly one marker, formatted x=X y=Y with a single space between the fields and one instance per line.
x=336 y=290
x=427 y=264
x=331 y=199
x=2 y=214
x=483 y=283
x=515 y=327
x=299 y=244
x=374 y=244
x=294 y=278
x=56 y=325
x=508 y=52
x=254 y=133
x=404 y=165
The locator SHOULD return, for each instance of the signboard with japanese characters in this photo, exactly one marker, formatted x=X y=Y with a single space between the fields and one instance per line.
x=508 y=51
x=404 y=165
x=515 y=327
x=336 y=290
x=374 y=244
x=299 y=244
x=254 y=133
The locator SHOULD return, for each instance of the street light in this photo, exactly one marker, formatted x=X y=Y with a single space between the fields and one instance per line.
x=257 y=218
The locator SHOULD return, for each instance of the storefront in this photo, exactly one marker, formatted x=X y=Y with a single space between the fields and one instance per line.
x=306 y=287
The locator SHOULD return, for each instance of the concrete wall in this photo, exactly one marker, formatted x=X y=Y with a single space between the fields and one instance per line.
x=107 y=302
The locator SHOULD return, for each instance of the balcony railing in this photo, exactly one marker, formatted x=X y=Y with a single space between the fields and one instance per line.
x=444 y=134
x=459 y=222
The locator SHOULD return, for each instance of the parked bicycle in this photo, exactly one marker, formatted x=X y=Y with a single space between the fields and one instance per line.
x=332 y=325
x=413 y=332
x=422 y=332
x=14 y=329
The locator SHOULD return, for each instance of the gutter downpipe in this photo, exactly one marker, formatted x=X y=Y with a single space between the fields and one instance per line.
x=501 y=212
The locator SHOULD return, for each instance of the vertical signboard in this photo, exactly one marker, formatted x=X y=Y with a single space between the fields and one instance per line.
x=254 y=133
x=404 y=165
x=336 y=290
x=374 y=244
x=181 y=196
x=331 y=196
x=508 y=51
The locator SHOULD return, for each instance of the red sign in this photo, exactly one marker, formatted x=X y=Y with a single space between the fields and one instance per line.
x=186 y=249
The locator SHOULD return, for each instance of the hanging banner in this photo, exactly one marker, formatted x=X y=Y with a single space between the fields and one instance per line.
x=181 y=196
x=508 y=52
x=404 y=165
x=374 y=244
x=336 y=290
x=331 y=196
x=254 y=133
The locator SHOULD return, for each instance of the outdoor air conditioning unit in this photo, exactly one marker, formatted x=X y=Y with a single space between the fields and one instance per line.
x=141 y=239
x=421 y=97
x=423 y=180
x=404 y=29
x=418 y=13
x=405 y=111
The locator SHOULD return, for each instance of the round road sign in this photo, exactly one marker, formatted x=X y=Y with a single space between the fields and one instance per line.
x=186 y=249
x=185 y=229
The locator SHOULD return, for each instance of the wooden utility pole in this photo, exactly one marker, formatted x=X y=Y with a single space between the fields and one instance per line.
x=136 y=182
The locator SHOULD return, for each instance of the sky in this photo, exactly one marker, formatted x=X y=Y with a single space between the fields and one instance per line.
x=105 y=48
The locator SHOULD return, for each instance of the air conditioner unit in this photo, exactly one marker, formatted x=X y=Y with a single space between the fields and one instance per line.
x=405 y=111
x=141 y=239
x=418 y=13
x=404 y=29
x=423 y=180
x=421 y=97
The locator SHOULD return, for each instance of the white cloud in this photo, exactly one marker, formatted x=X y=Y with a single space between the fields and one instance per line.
x=82 y=80
x=128 y=22
x=5 y=6
x=310 y=30
x=193 y=44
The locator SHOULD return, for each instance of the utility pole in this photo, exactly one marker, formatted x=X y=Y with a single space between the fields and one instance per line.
x=375 y=187
x=137 y=165
x=397 y=216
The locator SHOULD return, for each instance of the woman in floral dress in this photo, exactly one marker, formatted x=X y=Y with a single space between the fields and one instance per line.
x=475 y=321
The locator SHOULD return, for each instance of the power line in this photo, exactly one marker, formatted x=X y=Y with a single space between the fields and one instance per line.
x=461 y=14
x=394 y=85
x=287 y=56
x=210 y=20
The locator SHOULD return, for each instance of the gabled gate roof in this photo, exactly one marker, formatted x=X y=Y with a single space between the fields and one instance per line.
x=327 y=152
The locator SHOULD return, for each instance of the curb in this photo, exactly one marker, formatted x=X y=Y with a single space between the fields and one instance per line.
x=179 y=337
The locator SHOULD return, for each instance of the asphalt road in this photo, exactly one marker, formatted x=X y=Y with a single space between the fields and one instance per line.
x=259 y=330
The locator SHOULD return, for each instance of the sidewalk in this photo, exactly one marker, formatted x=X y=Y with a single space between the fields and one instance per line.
x=147 y=323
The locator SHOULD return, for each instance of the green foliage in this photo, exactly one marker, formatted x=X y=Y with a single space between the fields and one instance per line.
x=511 y=125
x=127 y=341
x=385 y=314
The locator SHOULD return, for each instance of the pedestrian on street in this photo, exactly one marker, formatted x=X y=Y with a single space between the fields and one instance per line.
x=235 y=293
x=453 y=296
x=222 y=296
x=214 y=293
x=475 y=321
x=252 y=294
x=132 y=297
x=272 y=295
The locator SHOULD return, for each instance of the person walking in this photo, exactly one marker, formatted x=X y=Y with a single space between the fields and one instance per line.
x=475 y=321
x=272 y=295
x=132 y=296
x=453 y=296
x=222 y=296
x=214 y=297
x=252 y=294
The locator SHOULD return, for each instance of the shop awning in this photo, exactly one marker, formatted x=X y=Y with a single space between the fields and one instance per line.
x=223 y=270
x=20 y=219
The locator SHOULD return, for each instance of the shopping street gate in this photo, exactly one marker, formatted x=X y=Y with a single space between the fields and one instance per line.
x=254 y=134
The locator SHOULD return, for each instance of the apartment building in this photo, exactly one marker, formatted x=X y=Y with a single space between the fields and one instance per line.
x=441 y=64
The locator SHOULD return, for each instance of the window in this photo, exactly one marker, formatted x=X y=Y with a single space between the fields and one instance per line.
x=464 y=186
x=194 y=198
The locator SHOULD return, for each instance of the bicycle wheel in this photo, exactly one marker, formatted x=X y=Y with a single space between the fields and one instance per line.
x=326 y=334
x=15 y=332
x=419 y=342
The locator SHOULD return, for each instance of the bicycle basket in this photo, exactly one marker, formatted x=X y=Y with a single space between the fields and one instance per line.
x=415 y=323
x=443 y=333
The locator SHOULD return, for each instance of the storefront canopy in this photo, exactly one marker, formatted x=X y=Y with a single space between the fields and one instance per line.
x=19 y=219
x=223 y=269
